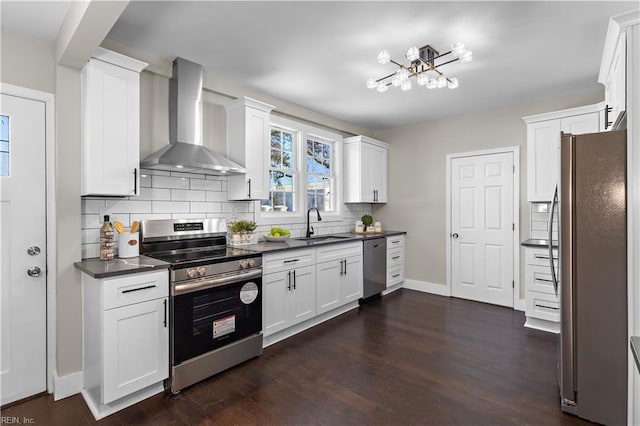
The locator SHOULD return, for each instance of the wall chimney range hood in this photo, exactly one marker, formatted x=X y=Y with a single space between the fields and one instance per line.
x=185 y=152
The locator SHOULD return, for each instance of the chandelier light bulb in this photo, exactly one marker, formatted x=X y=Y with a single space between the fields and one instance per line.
x=371 y=83
x=466 y=57
x=413 y=53
x=403 y=73
x=384 y=57
x=432 y=83
x=458 y=49
x=453 y=83
x=382 y=87
x=442 y=81
x=422 y=79
x=406 y=85
x=396 y=80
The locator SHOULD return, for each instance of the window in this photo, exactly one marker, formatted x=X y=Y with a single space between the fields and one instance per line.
x=282 y=172
x=4 y=145
x=319 y=174
x=304 y=172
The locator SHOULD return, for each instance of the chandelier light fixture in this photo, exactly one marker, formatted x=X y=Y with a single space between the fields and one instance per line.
x=422 y=66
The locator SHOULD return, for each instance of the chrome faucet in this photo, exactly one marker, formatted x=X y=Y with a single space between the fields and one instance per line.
x=309 y=227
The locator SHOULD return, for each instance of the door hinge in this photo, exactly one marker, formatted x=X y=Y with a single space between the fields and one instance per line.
x=513 y=284
x=514 y=168
x=513 y=226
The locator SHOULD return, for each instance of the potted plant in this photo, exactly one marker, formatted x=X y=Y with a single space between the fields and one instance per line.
x=367 y=221
x=242 y=231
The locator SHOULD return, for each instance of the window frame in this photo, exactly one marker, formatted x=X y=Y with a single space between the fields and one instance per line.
x=303 y=131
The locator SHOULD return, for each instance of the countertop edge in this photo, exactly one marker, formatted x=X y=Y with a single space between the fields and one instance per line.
x=96 y=268
x=634 y=342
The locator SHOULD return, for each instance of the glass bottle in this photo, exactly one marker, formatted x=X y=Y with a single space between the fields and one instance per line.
x=106 y=240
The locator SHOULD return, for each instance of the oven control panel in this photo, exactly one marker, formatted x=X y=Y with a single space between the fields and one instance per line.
x=230 y=266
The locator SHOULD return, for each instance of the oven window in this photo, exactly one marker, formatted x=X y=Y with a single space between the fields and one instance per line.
x=211 y=318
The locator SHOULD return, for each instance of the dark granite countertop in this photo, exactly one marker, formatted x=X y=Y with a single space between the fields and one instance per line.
x=538 y=243
x=110 y=268
x=635 y=348
x=293 y=243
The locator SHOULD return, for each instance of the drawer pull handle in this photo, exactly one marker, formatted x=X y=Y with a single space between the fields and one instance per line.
x=395 y=276
x=547 y=307
x=165 y=313
x=395 y=242
x=539 y=256
x=545 y=280
x=291 y=260
x=138 y=289
x=395 y=257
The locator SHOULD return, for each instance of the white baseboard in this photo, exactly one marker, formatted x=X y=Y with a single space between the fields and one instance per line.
x=427 y=287
x=68 y=385
x=519 y=305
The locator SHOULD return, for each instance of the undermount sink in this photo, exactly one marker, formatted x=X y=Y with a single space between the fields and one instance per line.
x=322 y=239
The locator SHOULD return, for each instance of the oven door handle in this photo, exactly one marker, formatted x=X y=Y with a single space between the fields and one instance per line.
x=216 y=282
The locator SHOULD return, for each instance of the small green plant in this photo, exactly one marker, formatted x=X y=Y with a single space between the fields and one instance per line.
x=367 y=220
x=242 y=226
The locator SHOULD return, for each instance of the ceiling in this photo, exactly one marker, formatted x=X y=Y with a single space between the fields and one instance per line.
x=320 y=54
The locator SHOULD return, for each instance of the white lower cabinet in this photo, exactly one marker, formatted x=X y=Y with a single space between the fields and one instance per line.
x=339 y=275
x=126 y=339
x=395 y=260
x=542 y=306
x=305 y=287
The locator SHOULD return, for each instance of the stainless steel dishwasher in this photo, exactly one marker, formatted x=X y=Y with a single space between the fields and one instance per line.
x=375 y=266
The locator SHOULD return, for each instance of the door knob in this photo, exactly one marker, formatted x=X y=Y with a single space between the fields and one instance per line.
x=455 y=235
x=33 y=251
x=34 y=271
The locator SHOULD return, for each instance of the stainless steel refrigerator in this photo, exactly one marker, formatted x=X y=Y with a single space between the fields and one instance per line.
x=592 y=276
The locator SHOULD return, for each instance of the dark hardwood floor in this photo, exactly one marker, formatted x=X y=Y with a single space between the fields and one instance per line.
x=408 y=358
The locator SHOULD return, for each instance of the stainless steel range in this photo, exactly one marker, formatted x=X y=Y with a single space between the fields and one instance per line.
x=216 y=297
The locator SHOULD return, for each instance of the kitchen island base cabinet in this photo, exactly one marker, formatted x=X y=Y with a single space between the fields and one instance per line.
x=126 y=339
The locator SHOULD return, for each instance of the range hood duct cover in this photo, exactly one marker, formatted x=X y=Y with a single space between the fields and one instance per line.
x=185 y=152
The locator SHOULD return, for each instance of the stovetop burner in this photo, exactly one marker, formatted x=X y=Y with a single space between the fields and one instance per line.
x=204 y=256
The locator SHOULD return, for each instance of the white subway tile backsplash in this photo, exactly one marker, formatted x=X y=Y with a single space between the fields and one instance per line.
x=177 y=195
x=206 y=207
x=154 y=194
x=187 y=195
x=170 y=182
x=540 y=207
x=170 y=207
x=208 y=185
x=539 y=226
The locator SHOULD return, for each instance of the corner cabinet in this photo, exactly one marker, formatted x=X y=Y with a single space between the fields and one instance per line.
x=126 y=339
x=248 y=135
x=365 y=170
x=111 y=125
x=543 y=142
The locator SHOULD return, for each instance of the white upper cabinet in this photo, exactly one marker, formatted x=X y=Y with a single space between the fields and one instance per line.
x=543 y=141
x=111 y=125
x=613 y=73
x=248 y=133
x=365 y=166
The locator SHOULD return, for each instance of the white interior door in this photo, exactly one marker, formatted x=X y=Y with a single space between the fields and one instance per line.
x=22 y=248
x=482 y=222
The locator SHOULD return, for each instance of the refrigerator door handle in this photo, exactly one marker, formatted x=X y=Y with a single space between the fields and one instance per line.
x=554 y=278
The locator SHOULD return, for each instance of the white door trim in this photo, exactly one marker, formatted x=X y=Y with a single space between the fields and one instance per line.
x=518 y=302
x=48 y=99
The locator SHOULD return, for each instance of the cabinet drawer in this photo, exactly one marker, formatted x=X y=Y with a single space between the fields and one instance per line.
x=338 y=251
x=394 y=242
x=395 y=257
x=395 y=275
x=134 y=288
x=282 y=261
x=543 y=306
x=540 y=257
x=539 y=279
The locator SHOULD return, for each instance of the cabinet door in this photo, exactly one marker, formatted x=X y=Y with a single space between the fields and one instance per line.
x=303 y=294
x=329 y=285
x=580 y=124
x=257 y=128
x=543 y=139
x=351 y=280
x=136 y=348
x=110 y=130
x=276 y=298
x=367 y=170
x=379 y=174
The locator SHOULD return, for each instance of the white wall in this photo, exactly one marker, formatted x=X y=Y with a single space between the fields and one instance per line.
x=417 y=162
x=27 y=62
